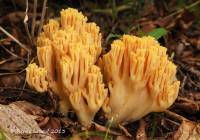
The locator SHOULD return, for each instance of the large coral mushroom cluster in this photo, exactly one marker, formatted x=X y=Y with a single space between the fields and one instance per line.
x=140 y=78
x=67 y=53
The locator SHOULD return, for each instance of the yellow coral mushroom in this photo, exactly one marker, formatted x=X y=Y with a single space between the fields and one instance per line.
x=75 y=69
x=71 y=18
x=88 y=100
x=36 y=77
x=140 y=78
x=67 y=53
x=83 y=82
x=137 y=71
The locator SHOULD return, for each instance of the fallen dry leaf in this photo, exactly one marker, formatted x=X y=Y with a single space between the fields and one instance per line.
x=30 y=108
x=195 y=42
x=15 y=65
x=17 y=125
x=188 y=131
x=53 y=127
x=10 y=80
x=187 y=105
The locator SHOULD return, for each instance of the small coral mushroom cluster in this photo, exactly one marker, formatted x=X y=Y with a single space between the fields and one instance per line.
x=140 y=78
x=137 y=72
x=67 y=52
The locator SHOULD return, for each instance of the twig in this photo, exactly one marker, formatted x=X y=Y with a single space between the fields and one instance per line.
x=24 y=85
x=34 y=18
x=11 y=73
x=12 y=37
x=181 y=10
x=109 y=11
x=4 y=61
x=28 y=59
x=42 y=17
x=124 y=130
x=8 y=51
x=104 y=129
x=183 y=84
x=174 y=115
x=25 y=23
x=171 y=121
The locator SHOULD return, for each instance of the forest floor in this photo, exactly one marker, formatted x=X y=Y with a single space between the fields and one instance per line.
x=175 y=23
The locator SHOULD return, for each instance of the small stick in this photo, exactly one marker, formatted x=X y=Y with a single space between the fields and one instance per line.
x=174 y=115
x=124 y=130
x=24 y=85
x=104 y=129
x=34 y=18
x=12 y=37
x=173 y=122
x=25 y=23
x=187 y=7
x=11 y=53
x=42 y=17
x=28 y=33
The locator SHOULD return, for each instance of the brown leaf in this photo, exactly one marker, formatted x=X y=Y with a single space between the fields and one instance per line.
x=186 y=20
x=195 y=42
x=168 y=21
x=52 y=126
x=13 y=65
x=188 y=131
x=188 y=105
x=148 y=26
x=13 y=17
x=17 y=125
x=10 y=80
x=30 y=108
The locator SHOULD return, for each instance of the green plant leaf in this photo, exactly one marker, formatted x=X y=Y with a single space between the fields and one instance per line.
x=158 y=33
x=112 y=36
x=109 y=125
x=2 y=136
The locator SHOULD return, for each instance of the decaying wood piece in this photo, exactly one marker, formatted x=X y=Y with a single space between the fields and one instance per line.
x=16 y=124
